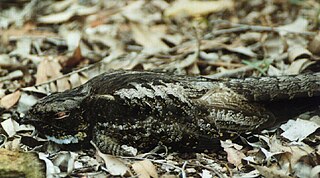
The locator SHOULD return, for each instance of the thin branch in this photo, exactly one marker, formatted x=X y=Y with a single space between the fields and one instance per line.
x=244 y=27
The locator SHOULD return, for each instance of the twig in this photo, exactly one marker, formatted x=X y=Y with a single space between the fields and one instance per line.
x=244 y=27
x=231 y=73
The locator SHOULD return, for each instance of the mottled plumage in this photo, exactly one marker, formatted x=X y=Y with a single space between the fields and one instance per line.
x=142 y=109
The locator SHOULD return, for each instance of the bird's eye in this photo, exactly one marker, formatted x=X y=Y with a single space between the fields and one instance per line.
x=62 y=115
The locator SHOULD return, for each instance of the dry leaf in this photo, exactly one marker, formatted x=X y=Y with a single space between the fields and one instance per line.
x=145 y=169
x=74 y=60
x=297 y=66
x=48 y=70
x=314 y=45
x=274 y=46
x=75 y=9
x=115 y=166
x=206 y=174
x=234 y=154
x=148 y=38
x=271 y=171
x=299 y=25
x=10 y=100
x=195 y=8
x=10 y=126
x=51 y=169
x=56 y=18
x=297 y=130
x=23 y=47
x=297 y=51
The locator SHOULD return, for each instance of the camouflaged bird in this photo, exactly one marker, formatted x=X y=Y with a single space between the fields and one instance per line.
x=143 y=109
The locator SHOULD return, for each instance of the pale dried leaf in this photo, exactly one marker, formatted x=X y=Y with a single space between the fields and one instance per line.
x=65 y=160
x=315 y=171
x=12 y=75
x=148 y=38
x=273 y=71
x=314 y=45
x=51 y=169
x=195 y=8
x=206 y=174
x=242 y=50
x=62 y=5
x=297 y=130
x=188 y=61
x=115 y=166
x=299 y=25
x=252 y=174
x=234 y=156
x=135 y=13
x=145 y=169
x=274 y=46
x=25 y=102
x=298 y=51
x=297 y=66
x=23 y=47
x=57 y=18
x=271 y=171
x=73 y=39
x=10 y=126
x=10 y=100
x=292 y=152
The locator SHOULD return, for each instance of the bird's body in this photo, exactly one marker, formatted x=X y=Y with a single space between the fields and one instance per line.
x=143 y=109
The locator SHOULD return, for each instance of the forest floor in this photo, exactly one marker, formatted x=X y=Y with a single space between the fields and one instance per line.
x=51 y=46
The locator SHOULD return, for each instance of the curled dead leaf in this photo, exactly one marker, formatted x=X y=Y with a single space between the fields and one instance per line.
x=296 y=52
x=10 y=100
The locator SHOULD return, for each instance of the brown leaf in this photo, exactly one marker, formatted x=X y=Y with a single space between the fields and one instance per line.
x=48 y=70
x=145 y=169
x=115 y=166
x=10 y=100
x=150 y=39
x=75 y=59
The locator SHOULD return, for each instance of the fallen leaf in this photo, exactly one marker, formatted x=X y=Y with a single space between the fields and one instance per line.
x=299 y=25
x=314 y=45
x=271 y=171
x=145 y=169
x=206 y=174
x=297 y=130
x=10 y=126
x=49 y=69
x=234 y=155
x=10 y=100
x=115 y=166
x=57 y=18
x=297 y=66
x=51 y=169
x=23 y=47
x=274 y=46
x=195 y=8
x=297 y=52
x=149 y=38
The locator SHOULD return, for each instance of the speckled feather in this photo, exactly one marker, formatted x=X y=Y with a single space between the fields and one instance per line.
x=143 y=109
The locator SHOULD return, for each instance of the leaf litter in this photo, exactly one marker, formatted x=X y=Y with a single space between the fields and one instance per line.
x=49 y=46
